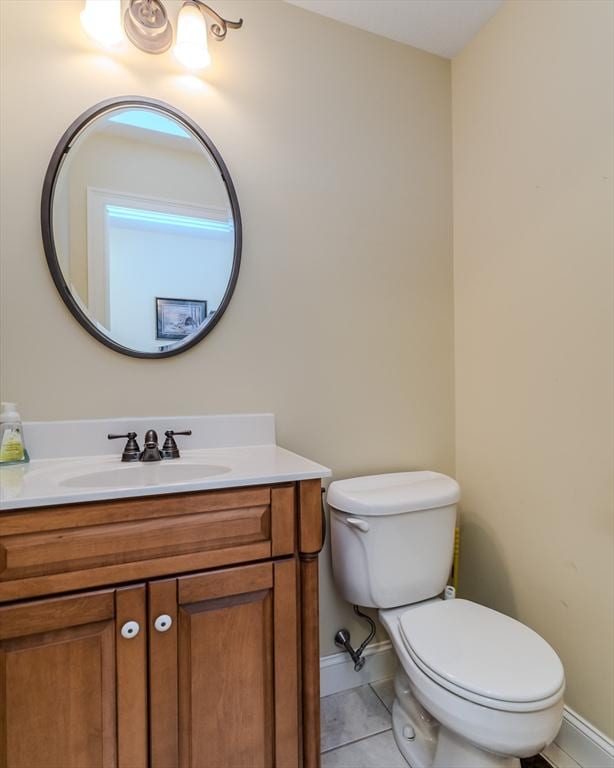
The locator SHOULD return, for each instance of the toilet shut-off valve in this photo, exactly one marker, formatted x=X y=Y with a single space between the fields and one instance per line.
x=342 y=639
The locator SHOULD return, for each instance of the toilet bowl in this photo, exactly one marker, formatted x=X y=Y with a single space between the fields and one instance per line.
x=493 y=703
x=474 y=688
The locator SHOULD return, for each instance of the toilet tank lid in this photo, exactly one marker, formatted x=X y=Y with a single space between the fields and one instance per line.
x=393 y=494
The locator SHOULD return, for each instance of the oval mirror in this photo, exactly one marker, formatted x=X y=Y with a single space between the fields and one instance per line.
x=141 y=227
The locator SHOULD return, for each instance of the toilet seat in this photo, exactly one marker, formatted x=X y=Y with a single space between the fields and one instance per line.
x=482 y=655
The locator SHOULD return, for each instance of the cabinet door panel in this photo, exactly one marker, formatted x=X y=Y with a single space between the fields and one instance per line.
x=72 y=688
x=237 y=665
x=226 y=679
x=57 y=704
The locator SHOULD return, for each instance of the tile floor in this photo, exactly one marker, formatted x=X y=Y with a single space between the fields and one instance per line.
x=356 y=728
x=356 y=731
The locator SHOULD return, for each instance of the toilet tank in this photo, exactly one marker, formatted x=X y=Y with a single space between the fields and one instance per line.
x=392 y=536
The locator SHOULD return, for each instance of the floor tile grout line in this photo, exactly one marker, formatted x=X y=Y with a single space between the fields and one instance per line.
x=379 y=710
x=355 y=741
x=380 y=698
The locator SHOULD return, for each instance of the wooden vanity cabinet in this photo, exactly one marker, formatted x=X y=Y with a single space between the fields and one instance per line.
x=197 y=668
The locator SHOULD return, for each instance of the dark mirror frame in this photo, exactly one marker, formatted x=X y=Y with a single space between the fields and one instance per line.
x=55 y=165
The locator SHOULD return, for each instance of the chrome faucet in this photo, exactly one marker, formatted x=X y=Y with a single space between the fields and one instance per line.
x=151 y=451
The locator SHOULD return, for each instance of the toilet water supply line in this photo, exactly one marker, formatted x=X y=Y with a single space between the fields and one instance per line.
x=342 y=639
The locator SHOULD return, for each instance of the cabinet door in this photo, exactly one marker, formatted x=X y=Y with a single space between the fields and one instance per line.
x=63 y=664
x=234 y=647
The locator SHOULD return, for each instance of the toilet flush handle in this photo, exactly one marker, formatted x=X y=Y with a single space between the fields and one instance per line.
x=362 y=525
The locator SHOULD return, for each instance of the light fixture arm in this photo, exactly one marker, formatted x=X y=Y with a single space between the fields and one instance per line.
x=148 y=27
x=220 y=26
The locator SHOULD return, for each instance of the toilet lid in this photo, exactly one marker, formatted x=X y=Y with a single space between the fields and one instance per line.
x=482 y=651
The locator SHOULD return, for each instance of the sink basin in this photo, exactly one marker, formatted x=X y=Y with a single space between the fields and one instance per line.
x=144 y=475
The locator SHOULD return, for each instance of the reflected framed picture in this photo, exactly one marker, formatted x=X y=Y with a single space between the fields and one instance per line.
x=178 y=318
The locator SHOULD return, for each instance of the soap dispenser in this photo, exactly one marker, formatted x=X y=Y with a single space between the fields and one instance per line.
x=12 y=448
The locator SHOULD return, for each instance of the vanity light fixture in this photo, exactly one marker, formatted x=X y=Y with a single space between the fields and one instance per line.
x=101 y=19
x=148 y=27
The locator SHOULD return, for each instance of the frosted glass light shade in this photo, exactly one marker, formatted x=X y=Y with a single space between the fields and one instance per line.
x=191 y=42
x=101 y=19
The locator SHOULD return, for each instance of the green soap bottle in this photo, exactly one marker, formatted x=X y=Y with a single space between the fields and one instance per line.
x=12 y=448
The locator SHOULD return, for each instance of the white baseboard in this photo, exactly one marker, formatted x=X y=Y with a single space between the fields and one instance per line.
x=584 y=743
x=337 y=671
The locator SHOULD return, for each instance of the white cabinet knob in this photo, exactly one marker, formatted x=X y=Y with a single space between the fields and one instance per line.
x=163 y=622
x=130 y=629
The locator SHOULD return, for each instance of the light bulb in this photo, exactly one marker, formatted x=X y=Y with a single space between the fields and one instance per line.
x=101 y=19
x=191 y=41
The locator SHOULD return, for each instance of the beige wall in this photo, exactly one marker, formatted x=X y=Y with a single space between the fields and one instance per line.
x=532 y=116
x=339 y=146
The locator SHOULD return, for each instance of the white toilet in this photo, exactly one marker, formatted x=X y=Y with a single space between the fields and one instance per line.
x=475 y=688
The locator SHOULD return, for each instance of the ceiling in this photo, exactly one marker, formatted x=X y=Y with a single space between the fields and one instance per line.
x=443 y=27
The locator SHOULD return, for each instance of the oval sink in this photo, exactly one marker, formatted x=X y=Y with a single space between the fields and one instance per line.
x=144 y=475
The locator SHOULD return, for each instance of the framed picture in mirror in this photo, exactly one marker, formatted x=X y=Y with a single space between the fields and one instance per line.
x=178 y=318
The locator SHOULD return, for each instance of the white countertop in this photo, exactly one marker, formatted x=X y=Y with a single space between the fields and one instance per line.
x=42 y=482
x=53 y=480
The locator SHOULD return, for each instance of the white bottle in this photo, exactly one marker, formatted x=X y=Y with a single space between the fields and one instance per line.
x=12 y=448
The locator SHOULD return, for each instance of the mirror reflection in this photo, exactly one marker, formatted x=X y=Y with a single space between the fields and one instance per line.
x=143 y=229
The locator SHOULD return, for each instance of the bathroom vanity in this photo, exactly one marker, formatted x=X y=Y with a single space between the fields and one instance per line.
x=167 y=624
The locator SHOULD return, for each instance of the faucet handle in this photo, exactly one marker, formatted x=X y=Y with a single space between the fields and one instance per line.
x=170 y=449
x=131 y=449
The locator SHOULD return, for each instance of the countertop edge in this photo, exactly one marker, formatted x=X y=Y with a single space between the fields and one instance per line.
x=135 y=493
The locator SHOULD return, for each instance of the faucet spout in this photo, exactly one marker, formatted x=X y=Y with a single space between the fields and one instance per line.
x=151 y=452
